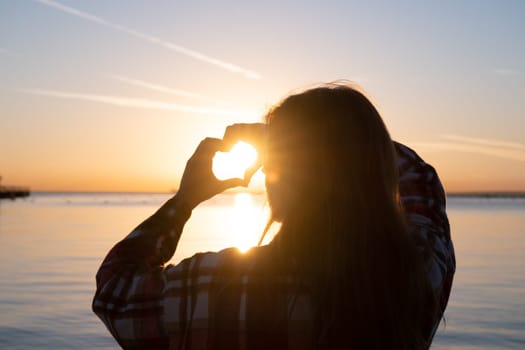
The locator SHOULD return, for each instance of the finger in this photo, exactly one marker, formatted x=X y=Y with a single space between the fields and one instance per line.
x=229 y=137
x=209 y=144
x=248 y=173
x=230 y=183
x=252 y=133
x=208 y=147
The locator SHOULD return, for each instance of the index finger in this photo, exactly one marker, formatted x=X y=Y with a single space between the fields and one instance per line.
x=252 y=133
x=209 y=146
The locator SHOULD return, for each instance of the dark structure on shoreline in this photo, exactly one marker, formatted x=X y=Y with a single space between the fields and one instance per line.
x=12 y=192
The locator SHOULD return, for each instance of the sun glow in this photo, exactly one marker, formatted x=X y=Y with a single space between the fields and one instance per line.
x=251 y=218
x=249 y=222
x=227 y=165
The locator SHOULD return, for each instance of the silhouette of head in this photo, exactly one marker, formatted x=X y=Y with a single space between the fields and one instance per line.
x=327 y=145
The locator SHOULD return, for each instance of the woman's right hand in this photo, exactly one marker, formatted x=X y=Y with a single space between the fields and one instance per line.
x=198 y=182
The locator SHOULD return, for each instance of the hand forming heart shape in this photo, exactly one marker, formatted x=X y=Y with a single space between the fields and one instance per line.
x=235 y=163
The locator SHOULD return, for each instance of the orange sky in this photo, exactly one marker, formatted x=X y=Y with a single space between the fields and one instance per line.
x=93 y=98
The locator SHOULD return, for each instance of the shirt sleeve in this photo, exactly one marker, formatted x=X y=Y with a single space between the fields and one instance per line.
x=131 y=280
x=424 y=202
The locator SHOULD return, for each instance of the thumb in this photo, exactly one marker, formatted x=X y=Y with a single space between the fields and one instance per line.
x=230 y=183
x=248 y=173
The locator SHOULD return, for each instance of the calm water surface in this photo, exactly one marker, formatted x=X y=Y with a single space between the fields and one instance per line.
x=52 y=244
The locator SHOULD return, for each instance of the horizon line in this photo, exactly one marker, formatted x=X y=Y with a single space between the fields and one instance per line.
x=474 y=193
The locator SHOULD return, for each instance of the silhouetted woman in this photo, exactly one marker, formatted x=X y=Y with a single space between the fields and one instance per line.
x=363 y=258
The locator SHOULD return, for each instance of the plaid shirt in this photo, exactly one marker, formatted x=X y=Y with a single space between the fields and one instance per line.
x=202 y=302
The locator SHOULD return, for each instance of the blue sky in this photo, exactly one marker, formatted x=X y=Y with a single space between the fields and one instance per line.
x=102 y=95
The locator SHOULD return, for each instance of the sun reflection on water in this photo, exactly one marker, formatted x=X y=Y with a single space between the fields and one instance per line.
x=229 y=220
x=250 y=219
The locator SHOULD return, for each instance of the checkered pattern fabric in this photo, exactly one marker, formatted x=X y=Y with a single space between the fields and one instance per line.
x=202 y=302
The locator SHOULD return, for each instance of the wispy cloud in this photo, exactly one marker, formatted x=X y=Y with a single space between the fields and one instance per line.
x=137 y=103
x=7 y=52
x=484 y=142
x=154 y=40
x=167 y=90
x=495 y=148
x=507 y=72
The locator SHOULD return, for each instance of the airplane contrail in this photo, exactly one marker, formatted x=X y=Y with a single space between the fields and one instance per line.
x=478 y=149
x=507 y=72
x=160 y=88
x=484 y=142
x=137 y=102
x=8 y=52
x=153 y=39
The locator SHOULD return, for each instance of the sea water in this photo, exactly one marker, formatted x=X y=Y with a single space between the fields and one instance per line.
x=51 y=245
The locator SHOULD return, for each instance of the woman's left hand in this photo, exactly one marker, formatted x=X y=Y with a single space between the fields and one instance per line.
x=198 y=182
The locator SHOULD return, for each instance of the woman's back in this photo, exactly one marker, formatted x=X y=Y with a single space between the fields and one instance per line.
x=363 y=258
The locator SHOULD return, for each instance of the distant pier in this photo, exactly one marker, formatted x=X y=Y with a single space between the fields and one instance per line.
x=12 y=192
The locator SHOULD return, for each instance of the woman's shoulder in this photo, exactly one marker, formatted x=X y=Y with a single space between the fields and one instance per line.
x=228 y=260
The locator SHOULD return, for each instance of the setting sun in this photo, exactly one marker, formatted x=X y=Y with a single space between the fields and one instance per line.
x=227 y=165
x=248 y=223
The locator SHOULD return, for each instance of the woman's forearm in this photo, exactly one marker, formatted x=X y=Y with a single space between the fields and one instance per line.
x=130 y=281
x=150 y=244
x=165 y=224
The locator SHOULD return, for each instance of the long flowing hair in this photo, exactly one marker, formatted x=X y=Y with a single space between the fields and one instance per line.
x=333 y=164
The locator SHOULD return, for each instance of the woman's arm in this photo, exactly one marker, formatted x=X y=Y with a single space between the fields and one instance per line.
x=131 y=280
x=424 y=202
